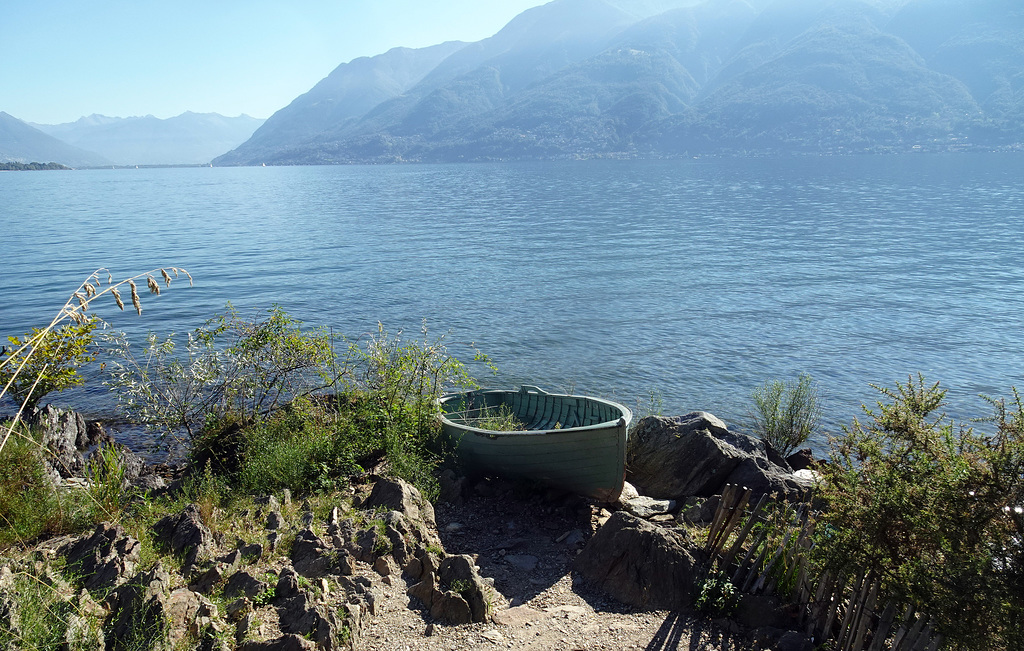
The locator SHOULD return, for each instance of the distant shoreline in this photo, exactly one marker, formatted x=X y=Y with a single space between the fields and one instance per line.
x=11 y=166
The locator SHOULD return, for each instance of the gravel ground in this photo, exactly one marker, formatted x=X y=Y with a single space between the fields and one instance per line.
x=525 y=541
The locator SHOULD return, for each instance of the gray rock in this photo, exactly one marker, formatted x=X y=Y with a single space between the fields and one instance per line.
x=403 y=497
x=274 y=521
x=696 y=455
x=459 y=572
x=283 y=643
x=674 y=458
x=185 y=534
x=763 y=477
x=629 y=491
x=641 y=564
x=310 y=555
x=698 y=510
x=644 y=507
x=299 y=615
x=139 y=611
x=105 y=558
x=451 y=608
x=243 y=584
x=61 y=431
x=524 y=562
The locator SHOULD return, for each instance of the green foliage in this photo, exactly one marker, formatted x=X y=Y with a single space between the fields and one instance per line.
x=498 y=419
x=31 y=507
x=933 y=507
x=233 y=366
x=407 y=378
x=404 y=380
x=716 y=596
x=46 y=360
x=309 y=445
x=42 y=616
x=109 y=492
x=786 y=413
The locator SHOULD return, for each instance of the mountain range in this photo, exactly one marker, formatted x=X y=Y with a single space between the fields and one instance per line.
x=663 y=78
x=98 y=140
x=22 y=143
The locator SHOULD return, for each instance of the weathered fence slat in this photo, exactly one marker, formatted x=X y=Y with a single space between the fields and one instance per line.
x=720 y=513
x=744 y=532
x=865 y=616
x=904 y=628
x=851 y=611
x=884 y=626
x=831 y=608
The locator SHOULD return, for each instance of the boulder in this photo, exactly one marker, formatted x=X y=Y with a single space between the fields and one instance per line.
x=801 y=459
x=139 y=611
x=130 y=464
x=243 y=584
x=300 y=615
x=457 y=594
x=674 y=458
x=763 y=477
x=641 y=564
x=62 y=429
x=696 y=455
x=645 y=507
x=398 y=495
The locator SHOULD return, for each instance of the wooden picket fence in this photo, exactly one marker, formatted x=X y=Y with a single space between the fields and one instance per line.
x=763 y=549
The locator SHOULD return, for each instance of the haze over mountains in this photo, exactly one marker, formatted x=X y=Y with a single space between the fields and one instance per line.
x=589 y=78
x=22 y=143
x=98 y=140
x=189 y=138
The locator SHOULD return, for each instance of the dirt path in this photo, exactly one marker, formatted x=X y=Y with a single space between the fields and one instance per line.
x=525 y=541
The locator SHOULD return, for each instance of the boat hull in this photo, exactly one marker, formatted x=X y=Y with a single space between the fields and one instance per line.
x=576 y=443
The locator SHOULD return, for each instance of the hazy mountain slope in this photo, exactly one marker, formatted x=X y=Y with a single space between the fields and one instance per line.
x=586 y=78
x=25 y=144
x=842 y=83
x=534 y=45
x=189 y=138
x=347 y=93
x=981 y=43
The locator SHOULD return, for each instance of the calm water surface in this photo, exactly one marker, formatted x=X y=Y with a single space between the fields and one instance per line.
x=695 y=280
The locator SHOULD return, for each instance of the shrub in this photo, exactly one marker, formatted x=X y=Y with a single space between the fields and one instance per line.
x=933 y=508
x=786 y=413
x=46 y=360
x=232 y=367
x=309 y=445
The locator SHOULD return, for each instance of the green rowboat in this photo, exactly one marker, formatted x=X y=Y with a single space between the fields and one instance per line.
x=576 y=443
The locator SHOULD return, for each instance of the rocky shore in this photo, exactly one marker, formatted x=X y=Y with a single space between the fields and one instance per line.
x=494 y=564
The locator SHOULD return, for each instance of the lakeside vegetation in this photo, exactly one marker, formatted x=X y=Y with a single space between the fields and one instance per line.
x=265 y=404
x=12 y=166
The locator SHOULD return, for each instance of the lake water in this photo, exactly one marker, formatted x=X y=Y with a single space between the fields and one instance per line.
x=694 y=280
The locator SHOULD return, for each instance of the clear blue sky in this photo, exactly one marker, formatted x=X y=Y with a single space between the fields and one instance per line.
x=63 y=59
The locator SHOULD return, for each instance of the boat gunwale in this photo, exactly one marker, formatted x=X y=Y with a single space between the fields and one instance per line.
x=625 y=417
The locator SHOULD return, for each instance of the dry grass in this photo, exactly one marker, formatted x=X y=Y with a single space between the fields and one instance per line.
x=76 y=309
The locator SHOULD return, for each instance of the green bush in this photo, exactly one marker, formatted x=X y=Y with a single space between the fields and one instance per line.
x=233 y=367
x=31 y=507
x=309 y=445
x=934 y=508
x=46 y=360
x=786 y=413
